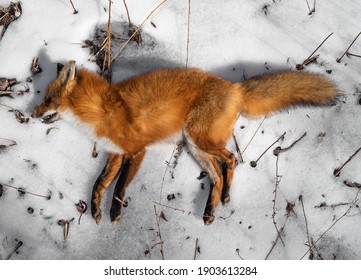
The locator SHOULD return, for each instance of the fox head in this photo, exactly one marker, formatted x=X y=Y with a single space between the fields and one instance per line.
x=57 y=91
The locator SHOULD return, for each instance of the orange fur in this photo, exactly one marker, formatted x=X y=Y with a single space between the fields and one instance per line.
x=145 y=109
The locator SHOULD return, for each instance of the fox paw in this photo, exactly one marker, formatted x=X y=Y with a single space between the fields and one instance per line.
x=97 y=215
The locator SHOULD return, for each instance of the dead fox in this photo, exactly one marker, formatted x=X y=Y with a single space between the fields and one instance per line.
x=127 y=117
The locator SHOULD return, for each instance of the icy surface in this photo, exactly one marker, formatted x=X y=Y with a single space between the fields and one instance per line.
x=234 y=39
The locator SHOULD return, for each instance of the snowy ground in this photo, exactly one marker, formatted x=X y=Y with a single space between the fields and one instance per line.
x=235 y=39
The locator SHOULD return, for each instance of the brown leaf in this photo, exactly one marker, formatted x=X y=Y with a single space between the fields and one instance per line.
x=20 y=117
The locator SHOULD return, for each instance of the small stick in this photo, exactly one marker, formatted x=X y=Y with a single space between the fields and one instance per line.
x=195 y=249
x=355 y=55
x=137 y=30
x=339 y=59
x=75 y=11
x=279 y=150
x=189 y=19
x=159 y=233
x=352 y=184
x=178 y=209
x=300 y=198
x=126 y=8
x=278 y=180
x=254 y=163
x=308 y=59
x=238 y=149
x=337 y=171
x=239 y=255
x=20 y=243
x=254 y=134
x=337 y=220
x=121 y=201
x=13 y=142
x=24 y=191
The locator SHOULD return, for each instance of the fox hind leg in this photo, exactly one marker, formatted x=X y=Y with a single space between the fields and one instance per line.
x=129 y=169
x=227 y=162
x=209 y=163
x=110 y=171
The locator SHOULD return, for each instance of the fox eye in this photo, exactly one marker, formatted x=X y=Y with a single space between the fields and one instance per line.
x=47 y=101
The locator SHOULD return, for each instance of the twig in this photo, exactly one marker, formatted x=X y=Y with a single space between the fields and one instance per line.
x=310 y=59
x=339 y=59
x=352 y=184
x=333 y=224
x=195 y=249
x=310 y=243
x=137 y=30
x=337 y=171
x=278 y=237
x=239 y=255
x=159 y=233
x=126 y=8
x=178 y=209
x=20 y=243
x=332 y=206
x=24 y=191
x=240 y=158
x=279 y=150
x=352 y=54
x=278 y=180
x=254 y=163
x=108 y=44
x=254 y=134
x=75 y=11
x=13 y=142
x=188 y=31
x=6 y=92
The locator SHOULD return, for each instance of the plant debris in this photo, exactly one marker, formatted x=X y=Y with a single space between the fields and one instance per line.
x=65 y=224
x=8 y=15
x=81 y=207
x=35 y=68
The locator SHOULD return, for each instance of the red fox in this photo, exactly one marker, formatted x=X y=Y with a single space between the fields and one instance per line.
x=127 y=117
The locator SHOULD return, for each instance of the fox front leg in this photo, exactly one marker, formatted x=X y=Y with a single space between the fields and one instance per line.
x=110 y=171
x=129 y=169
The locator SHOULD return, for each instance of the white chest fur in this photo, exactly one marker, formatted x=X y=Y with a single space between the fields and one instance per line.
x=102 y=142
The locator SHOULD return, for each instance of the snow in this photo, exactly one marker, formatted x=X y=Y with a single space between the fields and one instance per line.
x=234 y=39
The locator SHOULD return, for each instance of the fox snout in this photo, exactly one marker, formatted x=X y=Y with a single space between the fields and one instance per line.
x=41 y=110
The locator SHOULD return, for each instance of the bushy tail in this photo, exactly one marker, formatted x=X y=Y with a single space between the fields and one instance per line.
x=266 y=94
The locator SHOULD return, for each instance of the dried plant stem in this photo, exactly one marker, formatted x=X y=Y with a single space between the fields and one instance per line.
x=24 y=191
x=274 y=213
x=310 y=243
x=337 y=171
x=75 y=11
x=353 y=203
x=137 y=30
x=279 y=150
x=159 y=232
x=254 y=163
x=126 y=9
x=309 y=59
x=278 y=237
x=339 y=59
x=254 y=134
x=20 y=243
x=180 y=210
x=240 y=158
x=13 y=142
x=195 y=250
x=108 y=43
x=188 y=31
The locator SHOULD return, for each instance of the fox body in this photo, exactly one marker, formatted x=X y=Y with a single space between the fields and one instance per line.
x=127 y=117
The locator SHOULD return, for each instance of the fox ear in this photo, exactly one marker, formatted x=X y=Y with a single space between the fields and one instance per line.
x=67 y=72
x=59 y=67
